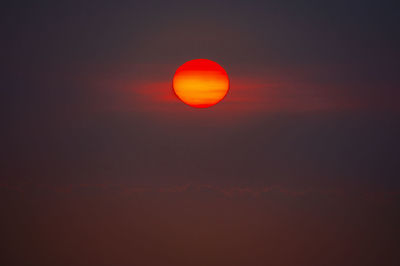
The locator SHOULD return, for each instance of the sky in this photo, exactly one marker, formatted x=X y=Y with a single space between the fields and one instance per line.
x=101 y=164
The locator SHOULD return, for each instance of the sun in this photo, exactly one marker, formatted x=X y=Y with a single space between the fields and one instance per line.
x=200 y=83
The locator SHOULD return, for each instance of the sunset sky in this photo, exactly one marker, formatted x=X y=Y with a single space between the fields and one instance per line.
x=101 y=164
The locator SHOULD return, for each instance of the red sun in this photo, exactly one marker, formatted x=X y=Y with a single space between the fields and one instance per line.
x=200 y=83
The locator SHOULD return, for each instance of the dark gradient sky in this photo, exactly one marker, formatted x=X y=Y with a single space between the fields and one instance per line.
x=102 y=165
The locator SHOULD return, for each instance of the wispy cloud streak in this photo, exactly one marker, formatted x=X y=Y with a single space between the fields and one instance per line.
x=381 y=196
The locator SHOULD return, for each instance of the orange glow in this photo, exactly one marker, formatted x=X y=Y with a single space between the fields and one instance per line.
x=200 y=83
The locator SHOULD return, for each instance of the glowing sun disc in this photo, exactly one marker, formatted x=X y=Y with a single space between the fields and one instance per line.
x=200 y=83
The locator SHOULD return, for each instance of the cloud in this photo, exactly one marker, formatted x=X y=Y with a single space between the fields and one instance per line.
x=257 y=192
x=148 y=88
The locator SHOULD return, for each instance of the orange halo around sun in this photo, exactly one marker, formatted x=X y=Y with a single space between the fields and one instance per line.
x=200 y=83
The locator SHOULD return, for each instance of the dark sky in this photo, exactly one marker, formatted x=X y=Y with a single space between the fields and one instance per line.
x=102 y=165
